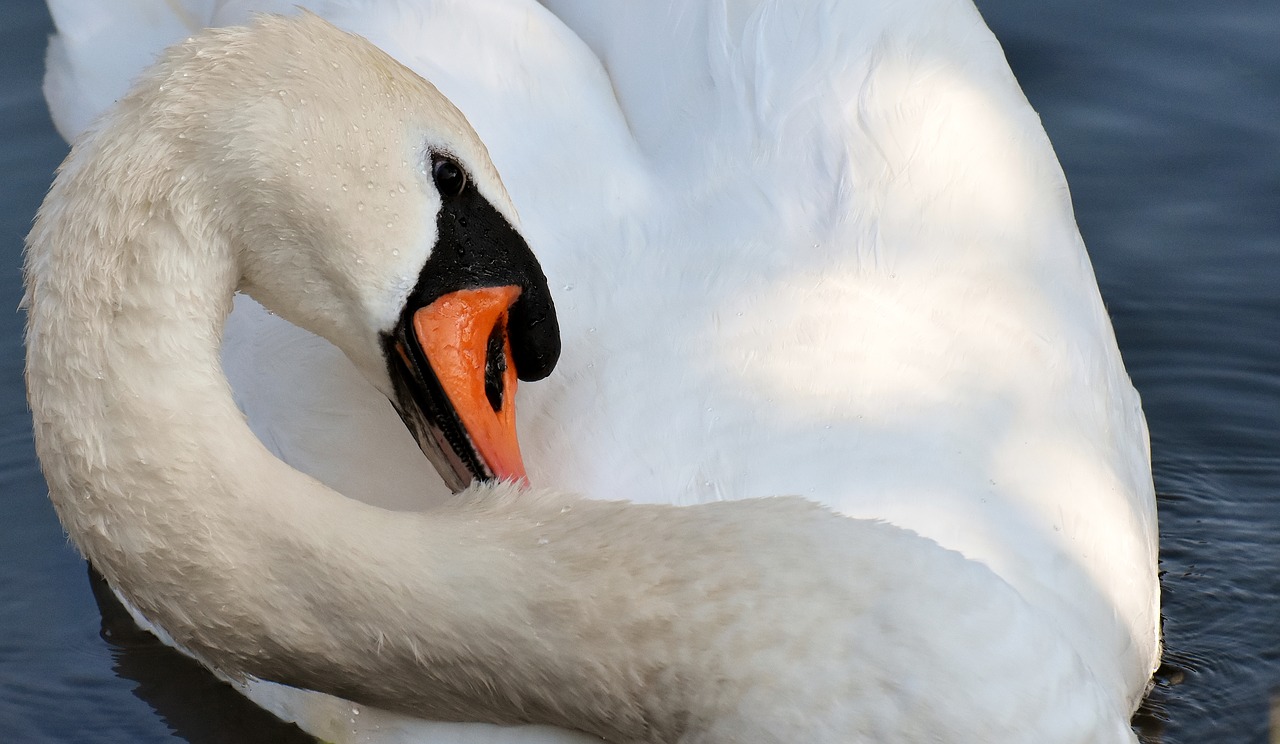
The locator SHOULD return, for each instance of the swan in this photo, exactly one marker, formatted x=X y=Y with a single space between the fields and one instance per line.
x=951 y=371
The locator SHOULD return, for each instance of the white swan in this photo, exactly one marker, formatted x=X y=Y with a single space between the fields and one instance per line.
x=942 y=320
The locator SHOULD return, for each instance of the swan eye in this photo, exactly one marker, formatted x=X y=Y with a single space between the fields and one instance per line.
x=449 y=177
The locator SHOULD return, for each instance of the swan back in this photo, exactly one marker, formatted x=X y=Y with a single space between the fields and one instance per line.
x=854 y=274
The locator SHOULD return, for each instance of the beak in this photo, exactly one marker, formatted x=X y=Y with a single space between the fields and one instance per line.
x=455 y=381
x=480 y=316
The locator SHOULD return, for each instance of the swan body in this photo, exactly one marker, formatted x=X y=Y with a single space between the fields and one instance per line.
x=789 y=261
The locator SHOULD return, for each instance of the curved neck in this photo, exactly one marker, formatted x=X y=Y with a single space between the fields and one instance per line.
x=469 y=613
x=766 y=620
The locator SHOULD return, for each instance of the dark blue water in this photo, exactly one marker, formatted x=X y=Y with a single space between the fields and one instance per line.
x=1166 y=116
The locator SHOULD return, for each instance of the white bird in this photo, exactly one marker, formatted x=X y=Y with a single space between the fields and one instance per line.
x=813 y=249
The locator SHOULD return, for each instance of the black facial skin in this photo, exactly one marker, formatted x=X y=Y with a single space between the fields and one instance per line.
x=475 y=247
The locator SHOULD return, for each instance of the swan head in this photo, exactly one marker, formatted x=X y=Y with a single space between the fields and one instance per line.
x=359 y=203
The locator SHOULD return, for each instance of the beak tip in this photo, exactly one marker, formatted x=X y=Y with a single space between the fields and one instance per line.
x=508 y=466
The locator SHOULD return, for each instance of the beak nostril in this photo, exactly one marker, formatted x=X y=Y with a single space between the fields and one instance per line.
x=495 y=365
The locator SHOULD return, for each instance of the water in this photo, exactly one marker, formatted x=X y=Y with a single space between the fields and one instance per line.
x=1166 y=115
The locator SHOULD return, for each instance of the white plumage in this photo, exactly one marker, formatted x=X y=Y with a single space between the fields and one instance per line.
x=820 y=249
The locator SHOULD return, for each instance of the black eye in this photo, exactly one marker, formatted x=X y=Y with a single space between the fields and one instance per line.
x=449 y=177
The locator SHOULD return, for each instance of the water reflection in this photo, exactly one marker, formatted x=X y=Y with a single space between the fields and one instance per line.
x=197 y=706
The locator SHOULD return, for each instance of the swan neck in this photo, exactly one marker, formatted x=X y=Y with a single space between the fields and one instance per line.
x=127 y=293
x=456 y=615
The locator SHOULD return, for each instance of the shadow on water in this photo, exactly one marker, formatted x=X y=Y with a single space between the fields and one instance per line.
x=1151 y=718
x=197 y=706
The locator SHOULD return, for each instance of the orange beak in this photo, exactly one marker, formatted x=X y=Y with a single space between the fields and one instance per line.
x=463 y=336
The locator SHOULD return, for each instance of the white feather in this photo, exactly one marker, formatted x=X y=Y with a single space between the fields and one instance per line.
x=811 y=248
